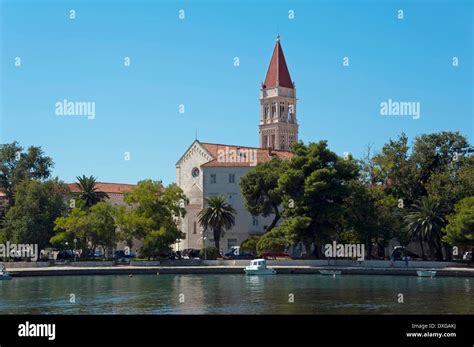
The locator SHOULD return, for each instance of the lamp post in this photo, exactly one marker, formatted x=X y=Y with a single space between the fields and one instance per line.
x=66 y=246
x=204 y=244
x=75 y=247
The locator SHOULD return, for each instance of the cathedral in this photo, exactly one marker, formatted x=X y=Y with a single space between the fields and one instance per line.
x=208 y=169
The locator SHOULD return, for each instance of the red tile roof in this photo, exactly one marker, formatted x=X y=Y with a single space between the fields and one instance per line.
x=278 y=74
x=232 y=156
x=112 y=188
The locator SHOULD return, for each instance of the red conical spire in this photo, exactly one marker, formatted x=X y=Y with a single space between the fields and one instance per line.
x=278 y=74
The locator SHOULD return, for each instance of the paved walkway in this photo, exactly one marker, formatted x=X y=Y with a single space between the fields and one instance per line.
x=126 y=270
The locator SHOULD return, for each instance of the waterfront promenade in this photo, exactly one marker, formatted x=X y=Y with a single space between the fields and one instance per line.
x=236 y=267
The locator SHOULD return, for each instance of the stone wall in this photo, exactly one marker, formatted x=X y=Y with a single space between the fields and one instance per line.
x=344 y=263
x=145 y=262
x=243 y=263
x=25 y=264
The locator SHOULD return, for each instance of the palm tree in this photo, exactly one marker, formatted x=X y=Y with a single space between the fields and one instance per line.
x=424 y=222
x=218 y=216
x=88 y=190
x=416 y=232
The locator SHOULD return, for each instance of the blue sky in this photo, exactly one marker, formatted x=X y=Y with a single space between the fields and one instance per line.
x=190 y=62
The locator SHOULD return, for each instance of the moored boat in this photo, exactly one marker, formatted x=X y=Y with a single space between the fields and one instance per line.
x=259 y=267
x=4 y=275
x=426 y=273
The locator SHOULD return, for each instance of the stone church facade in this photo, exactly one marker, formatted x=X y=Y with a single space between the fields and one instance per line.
x=208 y=169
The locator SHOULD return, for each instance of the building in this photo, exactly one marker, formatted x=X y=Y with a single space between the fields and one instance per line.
x=114 y=190
x=207 y=169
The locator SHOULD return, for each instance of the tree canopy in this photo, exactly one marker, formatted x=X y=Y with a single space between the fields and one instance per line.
x=151 y=214
x=322 y=196
x=37 y=205
x=314 y=187
x=259 y=189
x=460 y=228
x=17 y=165
x=90 y=227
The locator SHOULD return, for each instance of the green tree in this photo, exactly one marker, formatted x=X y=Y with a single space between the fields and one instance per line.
x=424 y=222
x=250 y=244
x=397 y=172
x=437 y=152
x=103 y=232
x=315 y=186
x=17 y=165
x=133 y=224
x=407 y=176
x=74 y=226
x=88 y=190
x=293 y=230
x=37 y=205
x=438 y=167
x=273 y=241
x=151 y=215
x=362 y=215
x=92 y=228
x=157 y=242
x=460 y=227
x=259 y=189
x=218 y=216
x=389 y=217
x=453 y=184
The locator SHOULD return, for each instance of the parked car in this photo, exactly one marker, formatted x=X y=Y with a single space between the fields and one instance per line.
x=122 y=254
x=236 y=253
x=96 y=254
x=65 y=254
x=191 y=253
x=174 y=255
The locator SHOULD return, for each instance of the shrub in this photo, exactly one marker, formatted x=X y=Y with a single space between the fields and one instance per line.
x=211 y=253
x=250 y=245
x=272 y=241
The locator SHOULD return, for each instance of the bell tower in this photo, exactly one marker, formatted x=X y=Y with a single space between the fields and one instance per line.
x=278 y=123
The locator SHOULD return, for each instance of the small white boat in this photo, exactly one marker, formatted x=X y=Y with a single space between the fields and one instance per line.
x=330 y=272
x=4 y=275
x=426 y=273
x=259 y=267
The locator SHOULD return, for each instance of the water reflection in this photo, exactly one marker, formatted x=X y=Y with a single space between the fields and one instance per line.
x=467 y=285
x=253 y=281
x=236 y=294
